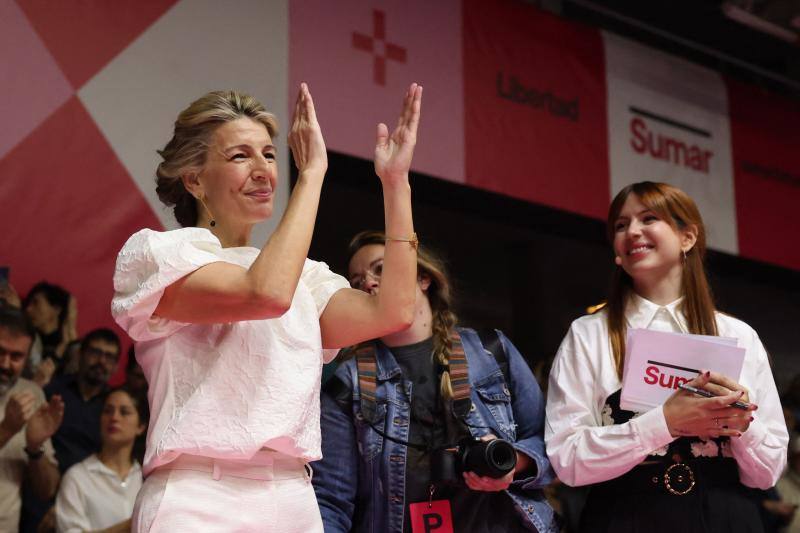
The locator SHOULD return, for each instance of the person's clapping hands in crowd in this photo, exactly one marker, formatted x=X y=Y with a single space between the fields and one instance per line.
x=28 y=422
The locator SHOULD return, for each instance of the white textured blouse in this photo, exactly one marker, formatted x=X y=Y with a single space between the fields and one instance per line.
x=93 y=497
x=222 y=390
x=584 y=448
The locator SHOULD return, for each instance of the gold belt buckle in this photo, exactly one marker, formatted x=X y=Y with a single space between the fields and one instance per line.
x=679 y=479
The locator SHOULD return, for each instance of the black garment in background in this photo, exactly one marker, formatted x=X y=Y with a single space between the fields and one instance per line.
x=473 y=511
x=79 y=434
x=50 y=342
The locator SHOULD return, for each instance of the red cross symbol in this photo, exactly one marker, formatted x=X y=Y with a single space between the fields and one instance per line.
x=378 y=46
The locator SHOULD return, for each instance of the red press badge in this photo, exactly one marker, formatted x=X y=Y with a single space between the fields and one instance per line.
x=431 y=517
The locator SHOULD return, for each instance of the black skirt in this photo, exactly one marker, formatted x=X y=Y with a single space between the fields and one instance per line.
x=703 y=496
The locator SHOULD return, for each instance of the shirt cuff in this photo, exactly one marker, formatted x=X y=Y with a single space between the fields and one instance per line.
x=651 y=427
x=752 y=438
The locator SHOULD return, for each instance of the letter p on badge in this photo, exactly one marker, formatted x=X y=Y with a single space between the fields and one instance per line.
x=431 y=518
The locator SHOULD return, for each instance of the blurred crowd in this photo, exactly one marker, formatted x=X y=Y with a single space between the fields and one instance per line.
x=70 y=446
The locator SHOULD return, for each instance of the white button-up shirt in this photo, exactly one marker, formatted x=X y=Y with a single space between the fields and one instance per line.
x=583 y=451
x=222 y=390
x=93 y=497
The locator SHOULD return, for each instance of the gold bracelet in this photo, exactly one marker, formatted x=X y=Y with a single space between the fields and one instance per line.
x=413 y=240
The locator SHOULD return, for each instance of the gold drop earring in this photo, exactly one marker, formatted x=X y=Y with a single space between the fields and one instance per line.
x=210 y=216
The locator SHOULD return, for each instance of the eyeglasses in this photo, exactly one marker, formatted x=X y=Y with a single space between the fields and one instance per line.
x=16 y=357
x=97 y=352
x=374 y=271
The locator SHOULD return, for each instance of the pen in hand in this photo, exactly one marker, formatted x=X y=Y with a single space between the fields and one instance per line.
x=706 y=394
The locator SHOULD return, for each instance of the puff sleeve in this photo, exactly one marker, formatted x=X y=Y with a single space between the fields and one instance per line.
x=149 y=262
x=322 y=283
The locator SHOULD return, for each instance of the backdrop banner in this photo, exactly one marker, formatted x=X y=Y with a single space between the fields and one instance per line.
x=535 y=107
x=668 y=121
x=364 y=55
x=766 y=154
x=90 y=92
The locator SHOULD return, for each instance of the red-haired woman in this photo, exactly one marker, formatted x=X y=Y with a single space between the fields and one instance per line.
x=659 y=241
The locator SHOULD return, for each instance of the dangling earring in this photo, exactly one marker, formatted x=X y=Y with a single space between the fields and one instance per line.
x=213 y=222
x=684 y=256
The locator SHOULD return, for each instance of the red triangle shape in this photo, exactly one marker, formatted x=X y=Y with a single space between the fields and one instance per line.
x=67 y=205
x=84 y=36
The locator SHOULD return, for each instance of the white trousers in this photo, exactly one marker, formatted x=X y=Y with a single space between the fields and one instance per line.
x=270 y=493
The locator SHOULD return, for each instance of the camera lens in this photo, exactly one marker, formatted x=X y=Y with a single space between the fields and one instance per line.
x=501 y=455
x=494 y=458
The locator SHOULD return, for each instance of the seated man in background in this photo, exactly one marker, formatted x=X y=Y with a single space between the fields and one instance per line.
x=28 y=423
x=84 y=395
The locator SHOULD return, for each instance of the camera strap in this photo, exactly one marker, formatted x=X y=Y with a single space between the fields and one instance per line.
x=490 y=339
x=367 y=366
x=366 y=363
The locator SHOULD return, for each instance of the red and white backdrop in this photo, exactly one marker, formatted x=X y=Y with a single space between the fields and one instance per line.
x=517 y=102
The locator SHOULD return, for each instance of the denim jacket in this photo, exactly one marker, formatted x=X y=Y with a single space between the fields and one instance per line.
x=360 y=481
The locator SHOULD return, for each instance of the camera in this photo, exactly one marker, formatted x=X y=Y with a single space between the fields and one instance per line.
x=490 y=458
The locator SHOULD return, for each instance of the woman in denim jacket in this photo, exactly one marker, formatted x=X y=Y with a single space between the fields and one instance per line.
x=388 y=413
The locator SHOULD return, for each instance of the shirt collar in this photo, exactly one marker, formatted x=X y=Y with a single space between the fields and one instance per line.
x=640 y=312
x=94 y=464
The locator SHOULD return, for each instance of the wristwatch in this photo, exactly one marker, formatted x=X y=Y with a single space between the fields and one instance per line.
x=34 y=455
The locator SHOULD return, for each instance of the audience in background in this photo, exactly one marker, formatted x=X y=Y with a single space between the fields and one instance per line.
x=98 y=493
x=28 y=422
x=72 y=359
x=54 y=314
x=9 y=296
x=84 y=395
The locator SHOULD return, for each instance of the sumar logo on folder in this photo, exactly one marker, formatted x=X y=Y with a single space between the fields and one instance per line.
x=656 y=362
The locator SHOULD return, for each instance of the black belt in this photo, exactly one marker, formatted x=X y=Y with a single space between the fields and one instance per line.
x=675 y=478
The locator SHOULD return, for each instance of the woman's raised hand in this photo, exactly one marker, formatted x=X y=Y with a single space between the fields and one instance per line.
x=393 y=153
x=305 y=137
x=688 y=414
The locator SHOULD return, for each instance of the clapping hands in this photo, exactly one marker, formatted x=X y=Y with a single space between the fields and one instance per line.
x=44 y=422
x=41 y=422
x=305 y=137
x=393 y=153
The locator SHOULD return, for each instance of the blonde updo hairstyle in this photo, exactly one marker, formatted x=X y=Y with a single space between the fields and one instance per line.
x=187 y=150
x=439 y=294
